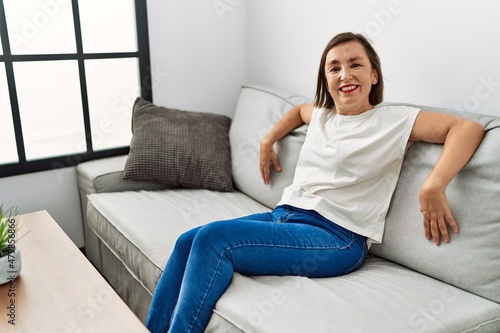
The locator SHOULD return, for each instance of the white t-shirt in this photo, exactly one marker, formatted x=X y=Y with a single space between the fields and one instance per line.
x=349 y=167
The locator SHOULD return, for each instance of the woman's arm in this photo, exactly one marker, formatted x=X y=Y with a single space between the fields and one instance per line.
x=460 y=137
x=297 y=116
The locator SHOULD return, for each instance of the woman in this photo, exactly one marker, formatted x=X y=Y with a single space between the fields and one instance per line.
x=336 y=206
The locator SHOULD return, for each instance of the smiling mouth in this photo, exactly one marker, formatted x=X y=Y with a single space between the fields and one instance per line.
x=349 y=88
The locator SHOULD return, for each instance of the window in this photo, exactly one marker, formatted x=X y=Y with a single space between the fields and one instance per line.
x=69 y=73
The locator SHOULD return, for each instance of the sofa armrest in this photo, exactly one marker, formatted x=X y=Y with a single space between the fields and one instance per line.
x=88 y=173
x=105 y=175
x=98 y=176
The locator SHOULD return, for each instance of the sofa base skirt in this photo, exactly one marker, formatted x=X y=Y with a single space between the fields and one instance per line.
x=125 y=284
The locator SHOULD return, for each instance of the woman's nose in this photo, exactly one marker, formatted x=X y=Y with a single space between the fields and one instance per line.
x=345 y=74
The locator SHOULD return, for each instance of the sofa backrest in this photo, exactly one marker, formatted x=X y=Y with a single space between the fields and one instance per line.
x=257 y=111
x=471 y=260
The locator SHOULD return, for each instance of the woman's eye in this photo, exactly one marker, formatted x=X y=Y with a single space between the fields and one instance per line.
x=334 y=69
x=355 y=65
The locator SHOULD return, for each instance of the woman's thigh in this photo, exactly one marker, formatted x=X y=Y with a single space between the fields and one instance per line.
x=269 y=246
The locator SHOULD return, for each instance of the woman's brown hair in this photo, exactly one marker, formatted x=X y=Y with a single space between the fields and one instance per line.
x=323 y=98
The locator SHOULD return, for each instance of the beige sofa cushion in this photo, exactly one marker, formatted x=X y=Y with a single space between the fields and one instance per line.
x=380 y=297
x=471 y=260
x=257 y=111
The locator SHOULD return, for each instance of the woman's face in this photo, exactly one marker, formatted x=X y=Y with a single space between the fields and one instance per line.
x=350 y=77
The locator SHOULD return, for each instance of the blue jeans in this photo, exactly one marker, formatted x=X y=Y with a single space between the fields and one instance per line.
x=286 y=241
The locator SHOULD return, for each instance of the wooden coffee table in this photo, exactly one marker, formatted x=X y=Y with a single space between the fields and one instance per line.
x=59 y=291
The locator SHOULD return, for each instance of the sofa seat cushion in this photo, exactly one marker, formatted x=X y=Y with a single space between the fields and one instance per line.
x=141 y=227
x=380 y=297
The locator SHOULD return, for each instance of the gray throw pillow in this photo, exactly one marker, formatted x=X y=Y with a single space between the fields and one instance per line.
x=179 y=148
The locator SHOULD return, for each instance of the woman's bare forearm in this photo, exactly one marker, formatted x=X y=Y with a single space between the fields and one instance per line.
x=460 y=144
x=297 y=116
x=290 y=121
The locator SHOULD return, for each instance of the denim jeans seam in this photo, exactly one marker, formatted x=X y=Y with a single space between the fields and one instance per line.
x=292 y=246
x=354 y=267
x=359 y=261
x=206 y=293
x=167 y=327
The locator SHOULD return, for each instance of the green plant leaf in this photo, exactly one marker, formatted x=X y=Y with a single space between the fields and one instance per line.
x=6 y=232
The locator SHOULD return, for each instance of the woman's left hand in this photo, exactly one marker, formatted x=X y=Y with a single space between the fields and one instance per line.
x=461 y=137
x=436 y=213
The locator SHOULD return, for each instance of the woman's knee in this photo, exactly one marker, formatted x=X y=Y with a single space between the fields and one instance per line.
x=216 y=235
x=185 y=241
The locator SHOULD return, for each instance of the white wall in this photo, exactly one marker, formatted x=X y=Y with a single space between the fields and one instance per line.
x=198 y=53
x=441 y=53
x=55 y=191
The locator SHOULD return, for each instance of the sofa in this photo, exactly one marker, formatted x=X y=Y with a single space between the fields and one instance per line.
x=407 y=283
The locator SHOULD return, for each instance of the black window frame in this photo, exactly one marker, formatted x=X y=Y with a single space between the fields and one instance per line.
x=7 y=59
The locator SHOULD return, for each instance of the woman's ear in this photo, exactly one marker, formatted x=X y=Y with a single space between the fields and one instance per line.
x=375 y=77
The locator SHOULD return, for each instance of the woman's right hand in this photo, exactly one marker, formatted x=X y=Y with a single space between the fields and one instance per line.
x=297 y=116
x=268 y=157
